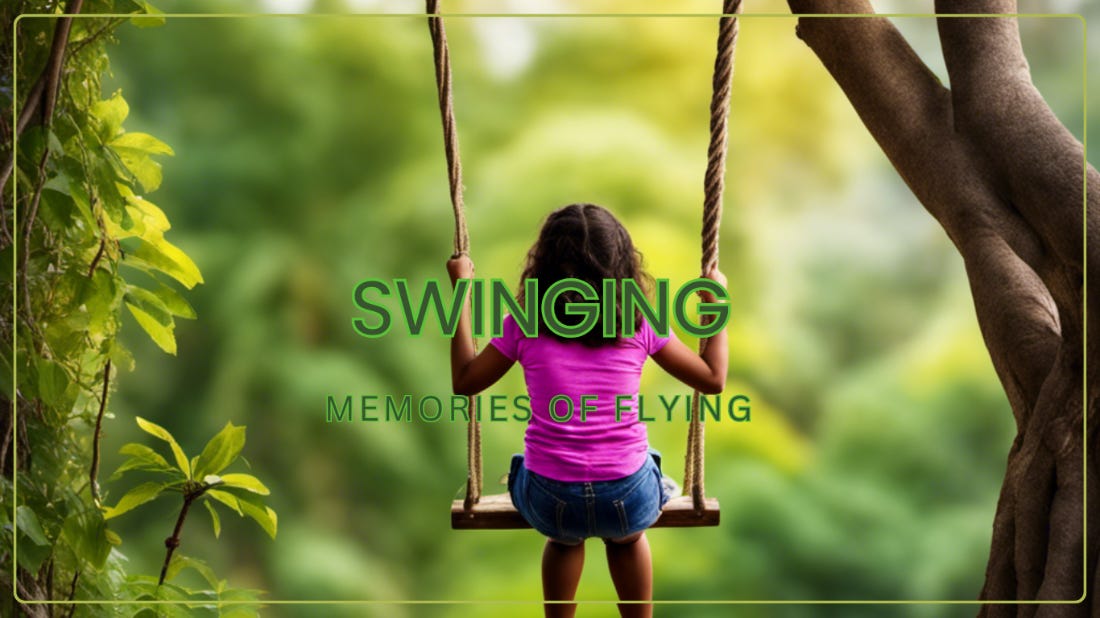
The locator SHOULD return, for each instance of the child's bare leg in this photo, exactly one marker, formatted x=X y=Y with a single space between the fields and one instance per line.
x=631 y=568
x=561 y=572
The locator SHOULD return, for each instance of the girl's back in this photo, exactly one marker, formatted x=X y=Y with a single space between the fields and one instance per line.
x=593 y=432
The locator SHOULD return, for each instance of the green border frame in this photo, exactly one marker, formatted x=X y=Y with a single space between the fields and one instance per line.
x=261 y=603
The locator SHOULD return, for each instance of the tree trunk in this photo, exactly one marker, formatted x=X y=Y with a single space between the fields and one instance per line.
x=1006 y=180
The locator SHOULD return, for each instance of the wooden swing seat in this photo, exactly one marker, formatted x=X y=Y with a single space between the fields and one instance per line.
x=495 y=512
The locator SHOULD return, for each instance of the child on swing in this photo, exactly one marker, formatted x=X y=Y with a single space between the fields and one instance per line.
x=595 y=477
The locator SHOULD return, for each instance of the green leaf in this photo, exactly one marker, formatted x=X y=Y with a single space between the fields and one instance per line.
x=52 y=383
x=83 y=204
x=141 y=458
x=149 y=303
x=220 y=451
x=162 y=433
x=153 y=220
x=106 y=186
x=86 y=533
x=59 y=183
x=120 y=356
x=169 y=259
x=214 y=518
x=245 y=481
x=154 y=18
x=254 y=507
x=100 y=297
x=180 y=562
x=111 y=112
x=225 y=498
x=176 y=304
x=142 y=142
x=147 y=171
x=135 y=497
x=57 y=211
x=31 y=556
x=26 y=522
x=54 y=145
x=162 y=335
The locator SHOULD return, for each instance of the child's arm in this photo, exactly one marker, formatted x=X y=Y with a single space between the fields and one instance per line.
x=471 y=372
x=704 y=372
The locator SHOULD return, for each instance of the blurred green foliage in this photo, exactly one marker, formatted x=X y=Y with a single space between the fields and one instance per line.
x=308 y=157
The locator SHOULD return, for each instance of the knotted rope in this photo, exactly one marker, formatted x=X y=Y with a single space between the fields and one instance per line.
x=712 y=214
x=713 y=186
x=462 y=237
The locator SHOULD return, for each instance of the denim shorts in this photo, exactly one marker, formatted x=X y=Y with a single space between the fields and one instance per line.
x=569 y=512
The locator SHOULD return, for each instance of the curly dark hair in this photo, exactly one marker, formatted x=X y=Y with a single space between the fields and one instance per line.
x=586 y=242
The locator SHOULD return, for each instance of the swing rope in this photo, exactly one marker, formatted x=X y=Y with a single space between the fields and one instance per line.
x=713 y=186
x=462 y=237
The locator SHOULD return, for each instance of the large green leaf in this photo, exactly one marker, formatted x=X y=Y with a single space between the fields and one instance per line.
x=160 y=333
x=245 y=481
x=153 y=16
x=254 y=507
x=105 y=181
x=99 y=295
x=168 y=259
x=31 y=556
x=28 y=525
x=225 y=498
x=142 y=458
x=181 y=562
x=87 y=534
x=154 y=221
x=220 y=451
x=162 y=433
x=143 y=168
x=136 y=497
x=111 y=112
x=142 y=142
x=83 y=204
x=59 y=183
x=149 y=303
x=52 y=382
x=174 y=301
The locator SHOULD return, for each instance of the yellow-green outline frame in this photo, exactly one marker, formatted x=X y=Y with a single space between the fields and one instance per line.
x=261 y=603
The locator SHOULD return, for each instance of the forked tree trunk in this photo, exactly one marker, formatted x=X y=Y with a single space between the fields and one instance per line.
x=1006 y=180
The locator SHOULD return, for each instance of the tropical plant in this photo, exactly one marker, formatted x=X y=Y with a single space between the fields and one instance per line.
x=199 y=477
x=83 y=241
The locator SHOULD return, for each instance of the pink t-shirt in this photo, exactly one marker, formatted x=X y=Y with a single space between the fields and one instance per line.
x=597 y=447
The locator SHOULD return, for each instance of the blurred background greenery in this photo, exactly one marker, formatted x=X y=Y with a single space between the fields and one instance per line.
x=309 y=157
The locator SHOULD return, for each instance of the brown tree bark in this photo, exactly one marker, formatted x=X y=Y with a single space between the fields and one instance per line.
x=1005 y=179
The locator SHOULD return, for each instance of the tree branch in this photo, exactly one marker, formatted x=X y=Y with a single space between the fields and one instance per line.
x=899 y=99
x=172 y=542
x=910 y=114
x=92 y=482
x=997 y=107
x=1018 y=319
x=43 y=95
x=57 y=61
x=72 y=593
